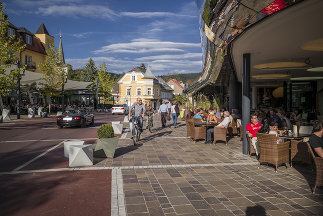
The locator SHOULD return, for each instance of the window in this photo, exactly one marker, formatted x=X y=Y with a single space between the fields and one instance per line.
x=28 y=39
x=133 y=78
x=138 y=91
x=11 y=31
x=149 y=91
x=128 y=91
x=28 y=60
x=157 y=91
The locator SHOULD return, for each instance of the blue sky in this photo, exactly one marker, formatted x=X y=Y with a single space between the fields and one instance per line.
x=122 y=33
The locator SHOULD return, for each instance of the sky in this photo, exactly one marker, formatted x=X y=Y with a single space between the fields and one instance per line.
x=163 y=34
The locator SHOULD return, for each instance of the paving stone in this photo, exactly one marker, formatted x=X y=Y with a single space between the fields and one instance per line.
x=178 y=200
x=184 y=209
x=141 y=208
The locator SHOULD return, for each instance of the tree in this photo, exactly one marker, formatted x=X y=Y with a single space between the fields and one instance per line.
x=180 y=99
x=53 y=72
x=10 y=49
x=89 y=72
x=106 y=82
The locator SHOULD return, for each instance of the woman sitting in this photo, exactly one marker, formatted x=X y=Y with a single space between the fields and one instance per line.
x=273 y=128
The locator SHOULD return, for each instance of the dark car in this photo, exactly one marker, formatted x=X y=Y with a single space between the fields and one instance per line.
x=75 y=118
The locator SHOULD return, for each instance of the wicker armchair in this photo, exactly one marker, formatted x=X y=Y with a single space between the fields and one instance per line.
x=272 y=152
x=319 y=168
x=189 y=122
x=220 y=134
x=232 y=128
x=299 y=152
x=198 y=132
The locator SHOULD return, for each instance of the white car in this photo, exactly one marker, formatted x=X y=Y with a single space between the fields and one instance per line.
x=120 y=109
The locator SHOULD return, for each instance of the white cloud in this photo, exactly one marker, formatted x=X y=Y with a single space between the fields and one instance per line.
x=38 y=3
x=146 y=46
x=155 y=14
x=96 y=11
x=163 y=57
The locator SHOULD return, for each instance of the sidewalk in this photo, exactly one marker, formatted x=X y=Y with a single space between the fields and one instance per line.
x=171 y=175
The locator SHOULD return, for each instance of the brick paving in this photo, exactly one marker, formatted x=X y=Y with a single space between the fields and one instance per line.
x=168 y=174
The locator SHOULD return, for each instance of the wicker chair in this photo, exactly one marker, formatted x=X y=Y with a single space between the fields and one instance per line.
x=197 y=132
x=189 y=122
x=220 y=134
x=272 y=152
x=319 y=168
x=299 y=152
x=232 y=128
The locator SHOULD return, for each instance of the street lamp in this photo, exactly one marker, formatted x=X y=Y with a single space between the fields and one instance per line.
x=129 y=87
x=19 y=92
x=63 y=94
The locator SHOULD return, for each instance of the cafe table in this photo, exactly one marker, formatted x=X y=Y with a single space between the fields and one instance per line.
x=207 y=125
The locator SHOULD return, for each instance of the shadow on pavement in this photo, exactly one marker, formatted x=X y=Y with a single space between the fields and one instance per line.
x=255 y=210
x=124 y=150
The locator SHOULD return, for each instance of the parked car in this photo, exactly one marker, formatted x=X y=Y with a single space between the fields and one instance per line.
x=120 y=109
x=75 y=118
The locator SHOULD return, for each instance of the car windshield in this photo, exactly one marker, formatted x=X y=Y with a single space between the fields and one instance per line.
x=74 y=111
x=118 y=105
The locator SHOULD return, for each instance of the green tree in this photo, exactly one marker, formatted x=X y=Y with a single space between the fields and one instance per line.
x=180 y=99
x=106 y=82
x=9 y=52
x=89 y=72
x=53 y=72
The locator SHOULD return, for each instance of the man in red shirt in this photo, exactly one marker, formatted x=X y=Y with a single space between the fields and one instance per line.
x=252 y=128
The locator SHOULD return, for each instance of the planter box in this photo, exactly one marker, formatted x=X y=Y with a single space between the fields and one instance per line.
x=80 y=155
x=106 y=147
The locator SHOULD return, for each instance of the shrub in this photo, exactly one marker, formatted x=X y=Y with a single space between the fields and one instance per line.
x=105 y=131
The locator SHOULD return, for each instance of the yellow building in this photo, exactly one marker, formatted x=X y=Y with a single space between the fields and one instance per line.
x=139 y=82
x=36 y=44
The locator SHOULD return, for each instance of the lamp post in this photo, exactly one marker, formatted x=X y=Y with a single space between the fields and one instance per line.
x=130 y=95
x=63 y=94
x=19 y=92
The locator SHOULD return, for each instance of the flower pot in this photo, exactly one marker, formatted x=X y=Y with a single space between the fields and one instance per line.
x=105 y=147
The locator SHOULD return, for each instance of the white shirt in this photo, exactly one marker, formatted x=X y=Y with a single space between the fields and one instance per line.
x=226 y=121
x=173 y=109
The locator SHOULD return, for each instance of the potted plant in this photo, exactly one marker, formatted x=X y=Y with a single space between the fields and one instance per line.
x=107 y=143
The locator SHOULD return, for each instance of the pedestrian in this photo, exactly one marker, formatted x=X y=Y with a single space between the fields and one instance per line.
x=149 y=112
x=175 y=113
x=163 y=113
x=169 y=107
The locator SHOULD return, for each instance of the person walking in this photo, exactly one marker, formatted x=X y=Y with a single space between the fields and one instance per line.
x=138 y=112
x=169 y=107
x=175 y=113
x=149 y=112
x=163 y=113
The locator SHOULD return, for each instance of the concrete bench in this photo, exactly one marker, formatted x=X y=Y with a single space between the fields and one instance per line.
x=67 y=145
x=80 y=155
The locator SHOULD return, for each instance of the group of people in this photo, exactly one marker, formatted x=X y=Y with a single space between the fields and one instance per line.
x=138 y=110
x=274 y=120
x=221 y=118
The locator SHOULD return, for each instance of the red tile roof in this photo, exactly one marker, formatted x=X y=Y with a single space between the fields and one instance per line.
x=177 y=82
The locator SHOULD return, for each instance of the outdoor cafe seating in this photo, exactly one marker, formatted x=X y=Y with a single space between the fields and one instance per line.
x=319 y=168
x=271 y=152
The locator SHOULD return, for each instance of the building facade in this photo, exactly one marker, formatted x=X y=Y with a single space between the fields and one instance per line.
x=140 y=82
x=177 y=86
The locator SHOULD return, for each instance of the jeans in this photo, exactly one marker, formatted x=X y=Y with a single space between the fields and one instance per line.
x=174 y=119
x=133 y=124
x=210 y=134
x=163 y=118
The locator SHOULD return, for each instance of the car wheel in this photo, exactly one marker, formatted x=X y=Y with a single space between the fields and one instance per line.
x=112 y=113
x=59 y=126
x=83 y=124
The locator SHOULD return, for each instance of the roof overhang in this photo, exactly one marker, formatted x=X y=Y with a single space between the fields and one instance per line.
x=294 y=34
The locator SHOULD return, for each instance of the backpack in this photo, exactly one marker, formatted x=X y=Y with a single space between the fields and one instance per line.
x=177 y=110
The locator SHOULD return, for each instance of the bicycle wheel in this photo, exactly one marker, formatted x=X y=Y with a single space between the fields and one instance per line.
x=150 y=126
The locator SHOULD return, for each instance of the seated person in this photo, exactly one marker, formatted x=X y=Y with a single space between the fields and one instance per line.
x=252 y=128
x=211 y=117
x=217 y=114
x=273 y=128
x=316 y=139
x=224 y=124
x=198 y=114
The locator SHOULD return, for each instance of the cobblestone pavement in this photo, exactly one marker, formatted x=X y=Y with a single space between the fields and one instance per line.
x=168 y=174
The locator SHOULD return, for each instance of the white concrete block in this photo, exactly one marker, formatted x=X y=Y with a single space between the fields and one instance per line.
x=6 y=115
x=67 y=145
x=80 y=155
x=117 y=128
x=39 y=111
x=115 y=122
x=126 y=119
x=31 y=113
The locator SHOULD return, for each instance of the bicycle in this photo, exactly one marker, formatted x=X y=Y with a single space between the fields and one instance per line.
x=136 y=138
x=150 y=123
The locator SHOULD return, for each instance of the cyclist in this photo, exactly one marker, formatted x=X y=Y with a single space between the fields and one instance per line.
x=149 y=112
x=138 y=112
